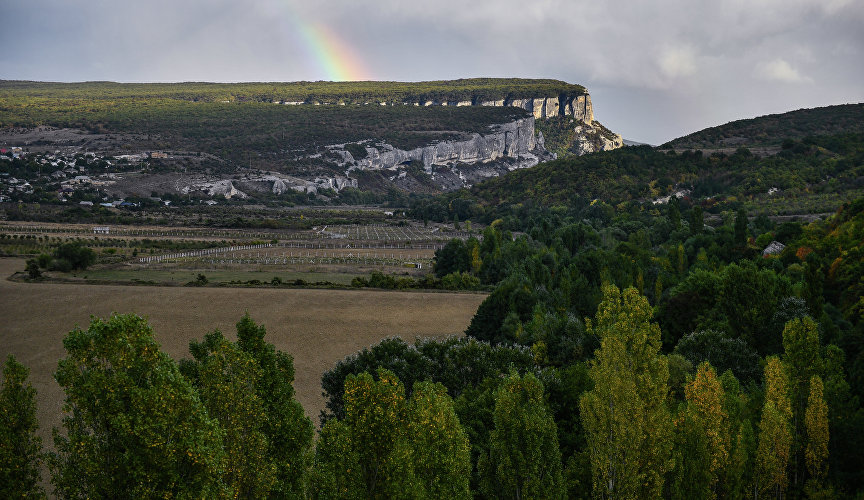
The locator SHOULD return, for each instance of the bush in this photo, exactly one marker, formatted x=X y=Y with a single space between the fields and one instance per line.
x=76 y=256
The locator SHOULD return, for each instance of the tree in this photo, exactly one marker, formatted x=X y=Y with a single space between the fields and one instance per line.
x=288 y=430
x=225 y=378
x=135 y=427
x=775 y=433
x=373 y=438
x=705 y=407
x=33 y=271
x=441 y=453
x=816 y=452
x=75 y=255
x=20 y=448
x=524 y=460
x=626 y=421
x=802 y=361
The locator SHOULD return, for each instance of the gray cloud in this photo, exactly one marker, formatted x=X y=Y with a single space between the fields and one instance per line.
x=656 y=70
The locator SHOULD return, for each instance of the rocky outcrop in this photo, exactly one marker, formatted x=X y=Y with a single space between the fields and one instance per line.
x=277 y=184
x=514 y=141
x=593 y=137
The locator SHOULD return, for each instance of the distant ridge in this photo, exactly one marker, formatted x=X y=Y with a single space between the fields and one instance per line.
x=771 y=130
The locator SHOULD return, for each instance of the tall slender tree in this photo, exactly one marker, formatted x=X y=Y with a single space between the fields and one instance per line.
x=524 y=459
x=816 y=451
x=441 y=453
x=803 y=361
x=705 y=406
x=225 y=378
x=775 y=433
x=626 y=420
x=288 y=430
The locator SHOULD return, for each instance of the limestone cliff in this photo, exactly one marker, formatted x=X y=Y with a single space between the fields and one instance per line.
x=459 y=163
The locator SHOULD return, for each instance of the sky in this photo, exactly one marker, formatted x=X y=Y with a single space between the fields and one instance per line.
x=655 y=70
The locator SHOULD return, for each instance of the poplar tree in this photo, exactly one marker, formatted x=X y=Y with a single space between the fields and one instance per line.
x=225 y=378
x=775 y=433
x=705 y=399
x=816 y=452
x=524 y=459
x=288 y=430
x=20 y=448
x=627 y=424
x=802 y=360
x=369 y=451
x=441 y=453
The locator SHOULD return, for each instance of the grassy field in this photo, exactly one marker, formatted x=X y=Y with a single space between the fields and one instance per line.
x=318 y=327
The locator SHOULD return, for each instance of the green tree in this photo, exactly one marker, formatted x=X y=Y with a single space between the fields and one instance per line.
x=441 y=453
x=803 y=361
x=739 y=473
x=626 y=421
x=288 y=430
x=135 y=427
x=524 y=460
x=374 y=438
x=816 y=451
x=75 y=255
x=225 y=378
x=33 y=271
x=705 y=400
x=775 y=433
x=20 y=448
x=336 y=470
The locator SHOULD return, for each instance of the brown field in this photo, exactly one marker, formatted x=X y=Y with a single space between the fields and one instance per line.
x=317 y=327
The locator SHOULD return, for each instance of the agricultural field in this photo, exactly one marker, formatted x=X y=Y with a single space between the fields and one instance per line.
x=317 y=327
x=175 y=256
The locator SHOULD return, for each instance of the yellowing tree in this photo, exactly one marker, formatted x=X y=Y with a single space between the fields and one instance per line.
x=775 y=433
x=705 y=406
x=816 y=423
x=441 y=453
x=627 y=423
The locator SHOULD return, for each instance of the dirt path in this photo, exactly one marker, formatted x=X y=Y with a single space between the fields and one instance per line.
x=318 y=327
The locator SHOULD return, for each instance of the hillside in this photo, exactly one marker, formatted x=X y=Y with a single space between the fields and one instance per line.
x=772 y=130
x=808 y=176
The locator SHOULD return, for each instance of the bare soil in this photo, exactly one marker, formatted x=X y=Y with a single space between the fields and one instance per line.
x=317 y=327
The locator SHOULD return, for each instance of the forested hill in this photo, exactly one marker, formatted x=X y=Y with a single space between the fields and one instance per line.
x=774 y=129
x=812 y=175
x=472 y=89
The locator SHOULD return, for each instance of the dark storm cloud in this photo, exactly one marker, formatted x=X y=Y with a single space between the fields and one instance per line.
x=655 y=69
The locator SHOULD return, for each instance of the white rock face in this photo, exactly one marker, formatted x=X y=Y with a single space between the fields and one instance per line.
x=592 y=137
x=275 y=183
x=578 y=107
x=515 y=140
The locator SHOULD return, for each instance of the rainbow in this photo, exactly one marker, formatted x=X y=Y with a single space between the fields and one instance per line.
x=330 y=53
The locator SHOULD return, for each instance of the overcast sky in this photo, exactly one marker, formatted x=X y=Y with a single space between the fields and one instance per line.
x=656 y=70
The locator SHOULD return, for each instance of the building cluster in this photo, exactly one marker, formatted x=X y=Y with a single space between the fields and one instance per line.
x=26 y=176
